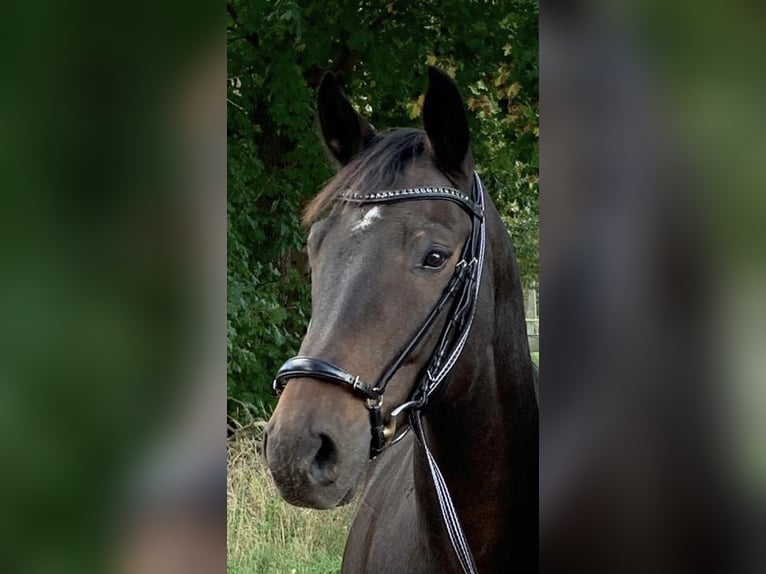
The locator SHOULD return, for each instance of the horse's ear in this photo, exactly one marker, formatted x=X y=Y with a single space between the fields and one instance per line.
x=344 y=132
x=445 y=122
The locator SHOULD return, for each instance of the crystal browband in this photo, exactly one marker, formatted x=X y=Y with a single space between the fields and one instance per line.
x=450 y=193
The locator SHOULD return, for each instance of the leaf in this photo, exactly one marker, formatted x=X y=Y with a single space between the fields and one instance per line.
x=415 y=107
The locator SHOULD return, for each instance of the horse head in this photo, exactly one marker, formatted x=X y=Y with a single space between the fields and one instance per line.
x=378 y=268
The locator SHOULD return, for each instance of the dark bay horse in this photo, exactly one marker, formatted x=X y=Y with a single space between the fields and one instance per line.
x=380 y=262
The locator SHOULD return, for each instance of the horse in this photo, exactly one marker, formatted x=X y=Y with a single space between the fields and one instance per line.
x=414 y=284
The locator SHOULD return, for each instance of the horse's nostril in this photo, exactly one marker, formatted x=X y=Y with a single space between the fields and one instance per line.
x=327 y=453
x=324 y=468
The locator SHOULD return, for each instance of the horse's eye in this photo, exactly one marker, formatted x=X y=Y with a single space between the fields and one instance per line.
x=435 y=259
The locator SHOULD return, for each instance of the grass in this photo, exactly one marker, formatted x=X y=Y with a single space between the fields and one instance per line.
x=268 y=536
x=265 y=534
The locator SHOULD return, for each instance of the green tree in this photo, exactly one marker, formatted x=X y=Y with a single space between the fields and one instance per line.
x=277 y=53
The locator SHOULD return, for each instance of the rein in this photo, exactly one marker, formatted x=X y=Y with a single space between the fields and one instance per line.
x=462 y=289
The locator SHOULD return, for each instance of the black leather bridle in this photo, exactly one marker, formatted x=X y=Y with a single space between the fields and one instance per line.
x=463 y=291
x=463 y=288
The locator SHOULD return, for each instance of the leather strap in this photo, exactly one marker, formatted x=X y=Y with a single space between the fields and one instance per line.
x=319 y=369
x=450 y=517
x=390 y=196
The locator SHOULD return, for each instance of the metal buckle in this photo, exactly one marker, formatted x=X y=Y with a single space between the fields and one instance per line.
x=373 y=404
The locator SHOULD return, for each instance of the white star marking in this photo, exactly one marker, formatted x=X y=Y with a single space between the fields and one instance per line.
x=367 y=219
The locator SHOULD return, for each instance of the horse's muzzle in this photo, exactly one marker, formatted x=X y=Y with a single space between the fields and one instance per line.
x=304 y=464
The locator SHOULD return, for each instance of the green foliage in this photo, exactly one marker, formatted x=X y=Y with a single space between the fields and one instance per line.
x=277 y=53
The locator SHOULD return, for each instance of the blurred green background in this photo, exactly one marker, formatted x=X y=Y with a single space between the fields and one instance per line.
x=101 y=294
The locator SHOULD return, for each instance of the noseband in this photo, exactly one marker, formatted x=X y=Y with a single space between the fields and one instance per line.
x=463 y=287
x=463 y=290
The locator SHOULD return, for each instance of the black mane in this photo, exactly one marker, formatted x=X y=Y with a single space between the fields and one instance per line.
x=374 y=169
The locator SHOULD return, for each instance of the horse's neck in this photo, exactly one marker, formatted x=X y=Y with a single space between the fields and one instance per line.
x=485 y=442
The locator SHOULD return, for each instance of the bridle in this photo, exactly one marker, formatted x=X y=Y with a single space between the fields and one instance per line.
x=463 y=290
x=463 y=287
